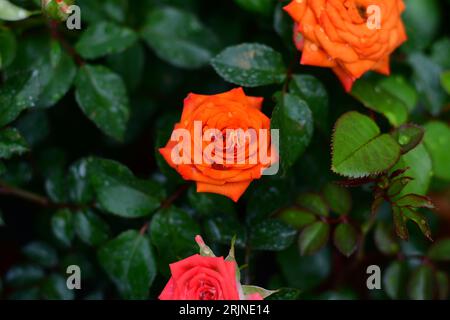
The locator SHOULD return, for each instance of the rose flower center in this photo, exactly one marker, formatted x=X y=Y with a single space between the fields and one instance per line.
x=207 y=292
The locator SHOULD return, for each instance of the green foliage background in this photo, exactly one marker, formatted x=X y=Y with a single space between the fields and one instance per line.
x=82 y=113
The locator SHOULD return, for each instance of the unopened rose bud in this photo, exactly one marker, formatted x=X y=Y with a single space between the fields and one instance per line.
x=57 y=9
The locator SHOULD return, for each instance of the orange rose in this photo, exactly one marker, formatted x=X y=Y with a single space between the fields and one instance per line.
x=349 y=36
x=226 y=142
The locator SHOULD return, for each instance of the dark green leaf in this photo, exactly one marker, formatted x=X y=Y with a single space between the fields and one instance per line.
x=359 y=149
x=208 y=204
x=263 y=7
x=338 y=198
x=55 y=288
x=422 y=19
x=267 y=197
x=11 y=143
x=90 y=228
x=345 y=239
x=129 y=65
x=375 y=97
x=102 y=96
x=408 y=136
x=62 y=74
x=19 y=93
x=293 y=118
x=63 y=226
x=394 y=280
x=440 y=251
x=80 y=190
x=297 y=218
x=314 y=93
x=304 y=273
x=421 y=284
x=445 y=81
x=420 y=169
x=313 y=202
x=401 y=89
x=442 y=285
x=222 y=229
x=120 y=193
x=439 y=52
x=384 y=239
x=8 y=47
x=173 y=231
x=23 y=275
x=272 y=235
x=34 y=126
x=285 y=294
x=313 y=238
x=437 y=142
x=104 y=38
x=41 y=253
x=427 y=79
x=179 y=38
x=26 y=294
x=250 y=65
x=129 y=262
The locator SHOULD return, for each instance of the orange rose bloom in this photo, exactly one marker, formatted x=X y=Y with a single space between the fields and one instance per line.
x=226 y=168
x=349 y=36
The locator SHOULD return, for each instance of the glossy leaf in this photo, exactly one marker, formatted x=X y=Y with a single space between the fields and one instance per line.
x=345 y=239
x=314 y=93
x=359 y=149
x=375 y=97
x=297 y=218
x=408 y=136
x=8 y=47
x=338 y=198
x=250 y=65
x=128 y=260
x=394 y=280
x=120 y=193
x=104 y=38
x=313 y=237
x=41 y=253
x=272 y=235
x=293 y=118
x=172 y=232
x=11 y=143
x=179 y=38
x=313 y=202
x=90 y=228
x=421 y=285
x=102 y=96
x=63 y=227
x=437 y=142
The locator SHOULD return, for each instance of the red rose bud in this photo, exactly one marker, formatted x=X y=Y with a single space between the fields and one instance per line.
x=57 y=9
